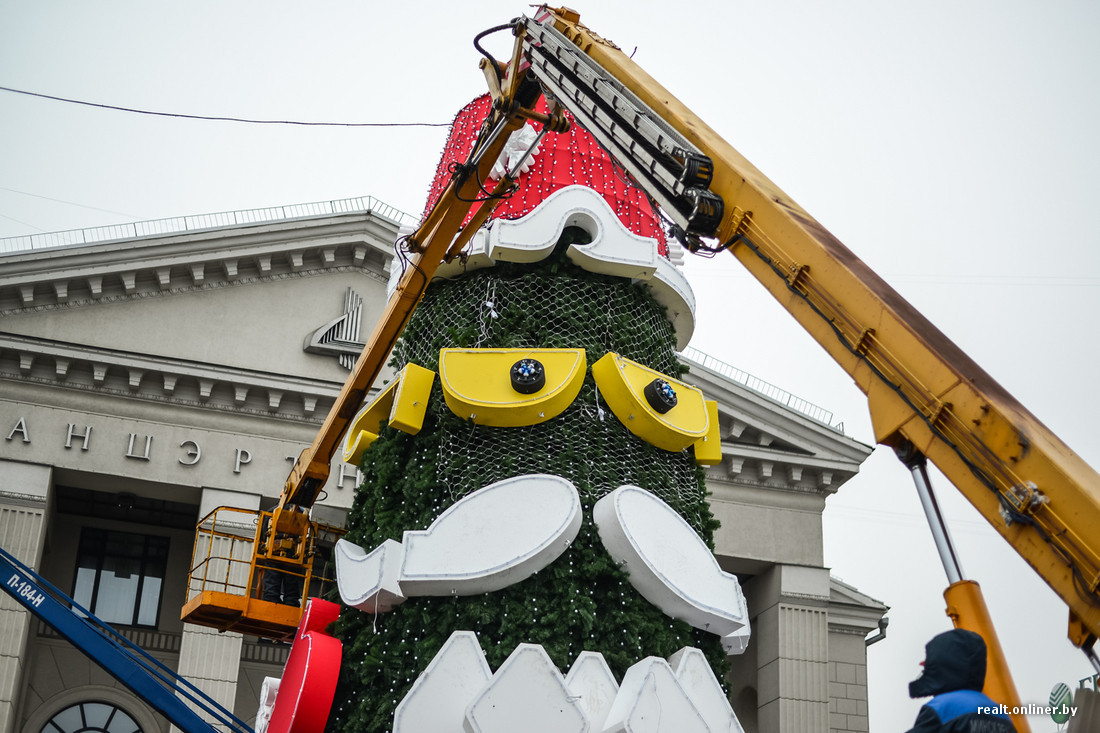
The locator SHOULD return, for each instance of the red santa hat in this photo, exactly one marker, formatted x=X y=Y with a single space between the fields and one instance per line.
x=563 y=159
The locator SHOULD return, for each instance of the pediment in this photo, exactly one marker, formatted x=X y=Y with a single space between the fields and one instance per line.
x=853 y=612
x=840 y=593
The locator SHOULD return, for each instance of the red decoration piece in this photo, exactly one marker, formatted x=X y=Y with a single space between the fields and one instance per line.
x=308 y=685
x=564 y=159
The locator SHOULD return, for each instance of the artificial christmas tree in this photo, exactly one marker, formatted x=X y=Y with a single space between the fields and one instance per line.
x=583 y=599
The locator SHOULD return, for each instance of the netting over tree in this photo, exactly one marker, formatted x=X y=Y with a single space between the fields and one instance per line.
x=581 y=601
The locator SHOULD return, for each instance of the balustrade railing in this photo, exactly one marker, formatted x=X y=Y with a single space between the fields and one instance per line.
x=769 y=390
x=181 y=224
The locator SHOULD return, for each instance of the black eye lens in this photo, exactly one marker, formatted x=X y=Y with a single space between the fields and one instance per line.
x=660 y=395
x=528 y=376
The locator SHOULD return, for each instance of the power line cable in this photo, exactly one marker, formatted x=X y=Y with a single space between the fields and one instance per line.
x=225 y=119
x=63 y=201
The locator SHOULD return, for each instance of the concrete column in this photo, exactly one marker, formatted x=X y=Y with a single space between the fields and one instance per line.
x=791 y=635
x=208 y=658
x=25 y=494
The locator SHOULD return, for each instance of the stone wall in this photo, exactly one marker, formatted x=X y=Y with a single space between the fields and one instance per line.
x=847 y=683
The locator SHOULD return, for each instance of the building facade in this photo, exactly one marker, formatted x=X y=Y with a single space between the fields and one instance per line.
x=154 y=376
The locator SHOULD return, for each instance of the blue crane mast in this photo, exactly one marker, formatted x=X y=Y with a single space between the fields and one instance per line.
x=160 y=687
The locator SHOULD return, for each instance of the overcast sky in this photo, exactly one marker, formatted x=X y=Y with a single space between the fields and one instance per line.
x=953 y=146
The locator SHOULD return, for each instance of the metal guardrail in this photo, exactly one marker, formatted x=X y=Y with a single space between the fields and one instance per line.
x=223 y=551
x=180 y=224
x=769 y=390
x=224 y=556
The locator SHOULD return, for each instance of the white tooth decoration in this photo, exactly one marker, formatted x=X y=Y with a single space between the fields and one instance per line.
x=616 y=250
x=457 y=692
x=670 y=566
x=590 y=681
x=441 y=694
x=369 y=581
x=527 y=693
x=493 y=538
x=529 y=239
x=697 y=680
x=650 y=700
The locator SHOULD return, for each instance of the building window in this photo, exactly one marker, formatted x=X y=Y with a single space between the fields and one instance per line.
x=92 y=717
x=119 y=575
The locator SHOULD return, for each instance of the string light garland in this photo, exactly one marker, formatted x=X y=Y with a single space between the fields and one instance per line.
x=564 y=159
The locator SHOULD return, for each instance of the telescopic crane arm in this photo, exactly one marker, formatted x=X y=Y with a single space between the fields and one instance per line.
x=922 y=390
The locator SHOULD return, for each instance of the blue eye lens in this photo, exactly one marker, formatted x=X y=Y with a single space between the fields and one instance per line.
x=528 y=376
x=660 y=395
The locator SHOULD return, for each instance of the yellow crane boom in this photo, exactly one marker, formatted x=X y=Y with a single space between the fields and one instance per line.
x=921 y=388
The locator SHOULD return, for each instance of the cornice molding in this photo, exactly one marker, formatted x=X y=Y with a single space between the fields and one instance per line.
x=749 y=465
x=159 y=379
x=774 y=421
x=792 y=452
x=768 y=476
x=127 y=269
x=44 y=305
x=31 y=501
x=851 y=612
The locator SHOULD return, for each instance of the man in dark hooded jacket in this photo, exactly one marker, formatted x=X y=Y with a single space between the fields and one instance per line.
x=954 y=672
